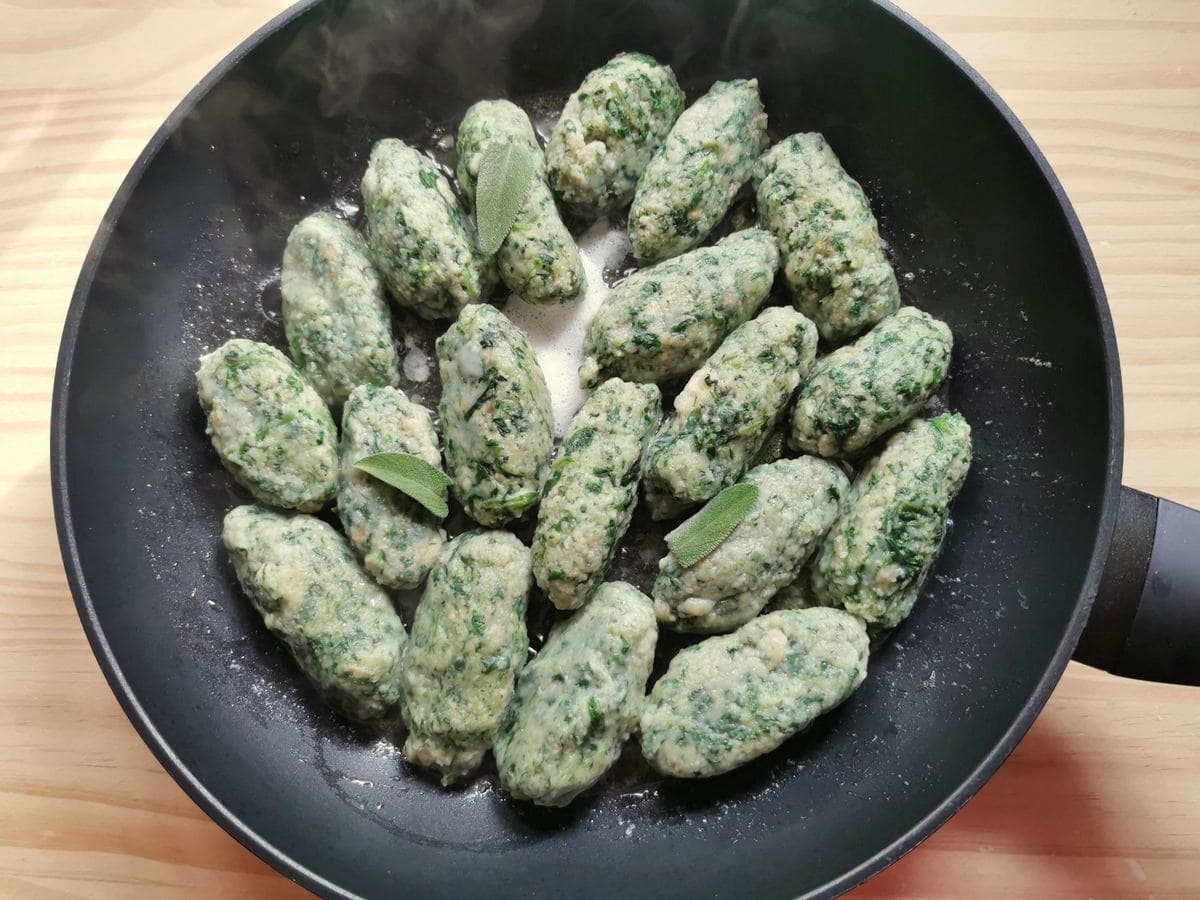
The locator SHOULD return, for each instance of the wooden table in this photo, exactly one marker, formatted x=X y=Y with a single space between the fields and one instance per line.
x=1101 y=799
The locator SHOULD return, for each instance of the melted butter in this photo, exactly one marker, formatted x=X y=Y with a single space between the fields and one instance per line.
x=556 y=331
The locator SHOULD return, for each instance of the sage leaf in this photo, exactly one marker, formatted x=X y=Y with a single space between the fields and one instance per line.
x=707 y=530
x=505 y=174
x=410 y=475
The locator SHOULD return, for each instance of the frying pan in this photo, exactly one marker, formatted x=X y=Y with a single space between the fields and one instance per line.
x=982 y=236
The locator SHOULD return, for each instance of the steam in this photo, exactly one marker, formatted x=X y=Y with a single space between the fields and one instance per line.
x=454 y=47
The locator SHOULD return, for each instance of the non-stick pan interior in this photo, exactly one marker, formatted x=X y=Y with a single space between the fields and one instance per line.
x=978 y=238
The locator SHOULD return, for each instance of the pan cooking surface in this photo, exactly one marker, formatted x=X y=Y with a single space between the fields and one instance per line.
x=978 y=238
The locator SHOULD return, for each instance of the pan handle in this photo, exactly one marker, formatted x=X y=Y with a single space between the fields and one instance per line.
x=1145 y=622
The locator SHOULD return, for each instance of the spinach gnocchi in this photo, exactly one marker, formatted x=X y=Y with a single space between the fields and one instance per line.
x=832 y=253
x=396 y=537
x=579 y=699
x=798 y=499
x=878 y=552
x=790 y=569
x=664 y=321
x=609 y=129
x=727 y=410
x=334 y=312
x=538 y=260
x=467 y=647
x=592 y=491
x=861 y=391
x=311 y=593
x=692 y=179
x=271 y=430
x=496 y=416
x=418 y=234
x=728 y=699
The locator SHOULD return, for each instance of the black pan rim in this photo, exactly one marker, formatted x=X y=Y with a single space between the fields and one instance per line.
x=294 y=869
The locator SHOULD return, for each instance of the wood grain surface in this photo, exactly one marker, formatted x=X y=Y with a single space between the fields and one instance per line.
x=1101 y=799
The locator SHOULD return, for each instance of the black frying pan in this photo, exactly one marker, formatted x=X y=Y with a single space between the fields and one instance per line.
x=986 y=240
